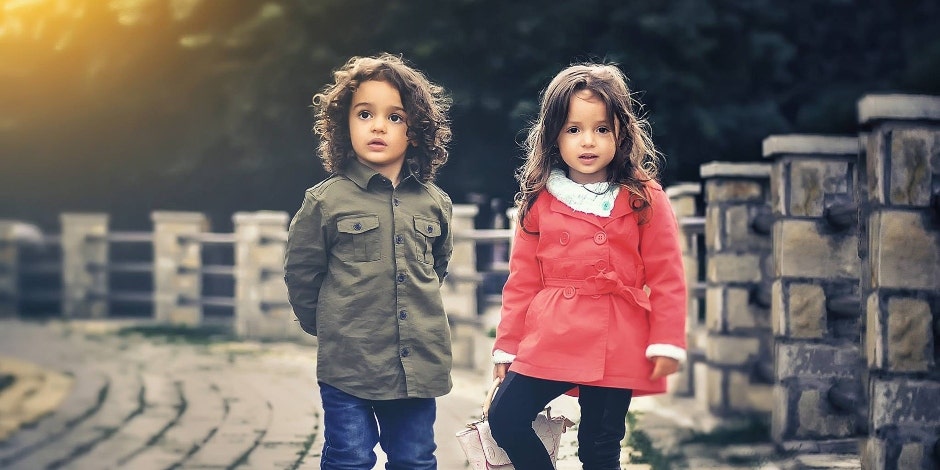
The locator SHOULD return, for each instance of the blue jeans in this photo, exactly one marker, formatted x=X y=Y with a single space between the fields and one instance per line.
x=351 y=431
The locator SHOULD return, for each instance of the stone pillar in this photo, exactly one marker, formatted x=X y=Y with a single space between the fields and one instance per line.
x=684 y=200
x=901 y=288
x=459 y=291
x=262 y=309
x=84 y=265
x=818 y=392
x=177 y=266
x=738 y=355
x=9 y=271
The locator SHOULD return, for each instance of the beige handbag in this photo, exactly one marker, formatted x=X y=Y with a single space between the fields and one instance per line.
x=484 y=454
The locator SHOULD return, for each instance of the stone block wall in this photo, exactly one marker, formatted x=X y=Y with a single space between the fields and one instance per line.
x=9 y=270
x=84 y=265
x=900 y=286
x=738 y=372
x=818 y=389
x=684 y=199
x=177 y=266
x=261 y=306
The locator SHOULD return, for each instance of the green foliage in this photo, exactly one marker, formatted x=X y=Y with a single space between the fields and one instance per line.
x=180 y=333
x=205 y=105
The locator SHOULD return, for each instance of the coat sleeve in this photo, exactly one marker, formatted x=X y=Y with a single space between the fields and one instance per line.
x=525 y=280
x=665 y=276
x=305 y=262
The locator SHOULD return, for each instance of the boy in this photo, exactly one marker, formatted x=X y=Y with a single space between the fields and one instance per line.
x=366 y=255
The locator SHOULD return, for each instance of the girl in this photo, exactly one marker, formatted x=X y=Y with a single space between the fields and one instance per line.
x=596 y=292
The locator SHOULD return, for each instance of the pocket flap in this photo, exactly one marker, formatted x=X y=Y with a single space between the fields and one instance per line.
x=357 y=223
x=429 y=227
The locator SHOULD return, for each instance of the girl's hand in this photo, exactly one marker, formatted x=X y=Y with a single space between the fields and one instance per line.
x=663 y=367
x=499 y=371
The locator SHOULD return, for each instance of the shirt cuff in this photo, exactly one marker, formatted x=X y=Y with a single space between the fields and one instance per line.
x=665 y=350
x=502 y=357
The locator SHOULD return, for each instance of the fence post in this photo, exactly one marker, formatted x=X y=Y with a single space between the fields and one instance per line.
x=459 y=292
x=177 y=266
x=738 y=354
x=84 y=265
x=9 y=271
x=261 y=302
x=683 y=198
x=818 y=405
x=901 y=279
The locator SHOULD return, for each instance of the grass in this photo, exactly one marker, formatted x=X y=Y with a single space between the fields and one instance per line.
x=643 y=449
x=180 y=333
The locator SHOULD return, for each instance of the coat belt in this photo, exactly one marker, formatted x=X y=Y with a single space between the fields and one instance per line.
x=602 y=283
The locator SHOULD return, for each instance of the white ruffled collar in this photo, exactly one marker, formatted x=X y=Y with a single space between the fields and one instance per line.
x=587 y=198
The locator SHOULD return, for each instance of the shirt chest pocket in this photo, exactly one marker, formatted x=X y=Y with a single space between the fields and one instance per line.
x=359 y=238
x=426 y=232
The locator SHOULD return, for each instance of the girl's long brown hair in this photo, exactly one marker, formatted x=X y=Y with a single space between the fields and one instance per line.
x=636 y=160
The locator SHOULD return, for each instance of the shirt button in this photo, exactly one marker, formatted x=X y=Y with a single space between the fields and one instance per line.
x=357 y=226
x=565 y=238
x=399 y=239
x=568 y=292
x=600 y=238
x=405 y=352
x=403 y=314
x=396 y=201
x=401 y=277
x=601 y=265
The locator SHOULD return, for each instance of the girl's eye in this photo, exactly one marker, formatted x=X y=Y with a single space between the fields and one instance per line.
x=396 y=118
x=363 y=115
x=572 y=130
x=603 y=130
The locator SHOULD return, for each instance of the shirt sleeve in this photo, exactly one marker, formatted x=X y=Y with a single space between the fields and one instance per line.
x=444 y=245
x=665 y=276
x=305 y=262
x=524 y=282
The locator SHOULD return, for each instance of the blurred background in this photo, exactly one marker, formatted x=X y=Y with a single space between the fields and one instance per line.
x=128 y=106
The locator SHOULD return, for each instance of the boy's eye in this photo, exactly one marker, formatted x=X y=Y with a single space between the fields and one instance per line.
x=363 y=115
x=396 y=118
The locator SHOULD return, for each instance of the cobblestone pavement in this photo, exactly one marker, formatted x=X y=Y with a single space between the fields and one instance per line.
x=86 y=397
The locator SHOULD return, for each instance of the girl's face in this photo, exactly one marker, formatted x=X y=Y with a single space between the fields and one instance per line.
x=377 y=127
x=587 y=139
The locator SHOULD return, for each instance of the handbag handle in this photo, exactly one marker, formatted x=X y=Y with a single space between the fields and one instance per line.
x=489 y=396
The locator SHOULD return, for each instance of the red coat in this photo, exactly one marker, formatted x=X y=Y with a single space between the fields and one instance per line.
x=574 y=307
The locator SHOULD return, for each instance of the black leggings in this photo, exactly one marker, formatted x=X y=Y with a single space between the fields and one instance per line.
x=602 y=425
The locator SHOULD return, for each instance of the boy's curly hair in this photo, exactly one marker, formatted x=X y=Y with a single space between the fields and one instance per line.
x=425 y=103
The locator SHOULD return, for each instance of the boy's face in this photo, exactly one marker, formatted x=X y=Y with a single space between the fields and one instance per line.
x=377 y=127
x=586 y=141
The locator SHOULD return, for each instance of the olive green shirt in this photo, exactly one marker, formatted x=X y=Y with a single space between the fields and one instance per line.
x=364 y=267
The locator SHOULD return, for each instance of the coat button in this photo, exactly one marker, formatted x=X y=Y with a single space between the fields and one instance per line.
x=565 y=238
x=601 y=265
x=403 y=314
x=396 y=201
x=401 y=277
x=430 y=229
x=405 y=352
x=399 y=239
x=357 y=226
x=600 y=238
x=568 y=292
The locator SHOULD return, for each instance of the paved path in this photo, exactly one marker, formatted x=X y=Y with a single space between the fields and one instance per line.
x=133 y=402
x=94 y=399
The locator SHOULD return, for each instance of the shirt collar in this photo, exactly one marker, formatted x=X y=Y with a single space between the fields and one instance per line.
x=359 y=173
